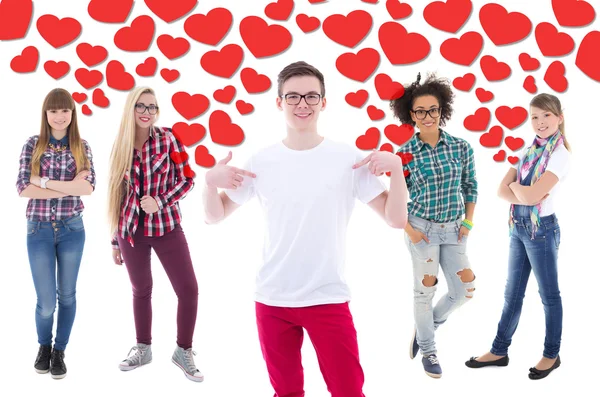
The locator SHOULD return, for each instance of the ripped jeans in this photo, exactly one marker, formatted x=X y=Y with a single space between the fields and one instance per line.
x=445 y=251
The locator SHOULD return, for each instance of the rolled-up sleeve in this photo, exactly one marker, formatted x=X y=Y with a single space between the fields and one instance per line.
x=468 y=181
x=25 y=165
x=91 y=178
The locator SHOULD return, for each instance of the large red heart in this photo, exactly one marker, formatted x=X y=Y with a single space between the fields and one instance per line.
x=478 y=121
x=401 y=47
x=307 y=24
x=138 y=36
x=27 y=61
x=573 y=13
x=253 y=82
x=223 y=131
x=464 y=83
x=495 y=21
x=190 y=106
x=494 y=70
x=500 y=156
x=171 y=47
x=388 y=89
x=179 y=157
x=99 y=99
x=359 y=66
x=279 y=10
x=203 y=158
x=189 y=135
x=225 y=95
x=91 y=55
x=484 y=95
x=555 y=77
x=348 y=30
x=493 y=138
x=449 y=16
x=15 y=16
x=243 y=107
x=529 y=85
x=117 y=78
x=358 y=98
x=223 y=63
x=169 y=75
x=514 y=143
x=58 y=32
x=398 y=10
x=374 y=113
x=169 y=10
x=370 y=139
x=587 y=55
x=88 y=78
x=511 y=118
x=56 y=70
x=399 y=134
x=147 y=68
x=462 y=51
x=528 y=63
x=110 y=11
x=262 y=39
x=210 y=28
x=79 y=97
x=551 y=42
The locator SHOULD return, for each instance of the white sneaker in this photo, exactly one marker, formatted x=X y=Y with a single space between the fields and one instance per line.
x=142 y=356
x=184 y=359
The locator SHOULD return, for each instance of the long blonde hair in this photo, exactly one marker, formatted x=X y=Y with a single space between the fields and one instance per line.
x=551 y=103
x=121 y=157
x=55 y=100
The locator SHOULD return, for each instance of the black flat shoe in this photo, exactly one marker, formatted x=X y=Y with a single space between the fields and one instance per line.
x=535 y=373
x=473 y=363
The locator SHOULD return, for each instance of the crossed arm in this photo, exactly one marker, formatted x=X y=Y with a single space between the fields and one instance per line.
x=515 y=193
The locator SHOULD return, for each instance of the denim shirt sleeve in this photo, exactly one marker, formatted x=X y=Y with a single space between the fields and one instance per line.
x=468 y=181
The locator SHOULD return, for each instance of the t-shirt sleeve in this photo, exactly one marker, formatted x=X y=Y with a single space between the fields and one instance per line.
x=246 y=191
x=518 y=155
x=366 y=185
x=559 y=163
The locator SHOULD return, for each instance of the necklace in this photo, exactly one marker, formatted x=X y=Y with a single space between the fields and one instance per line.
x=57 y=148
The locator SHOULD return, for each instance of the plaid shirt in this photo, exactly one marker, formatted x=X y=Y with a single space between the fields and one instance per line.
x=441 y=178
x=58 y=166
x=164 y=180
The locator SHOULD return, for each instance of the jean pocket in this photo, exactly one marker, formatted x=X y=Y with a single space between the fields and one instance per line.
x=32 y=228
x=75 y=224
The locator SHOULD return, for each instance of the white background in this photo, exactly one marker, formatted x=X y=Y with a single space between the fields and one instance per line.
x=226 y=256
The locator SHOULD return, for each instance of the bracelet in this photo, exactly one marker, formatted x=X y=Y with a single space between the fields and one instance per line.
x=468 y=224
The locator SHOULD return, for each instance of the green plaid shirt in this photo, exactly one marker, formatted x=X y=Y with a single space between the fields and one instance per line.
x=441 y=178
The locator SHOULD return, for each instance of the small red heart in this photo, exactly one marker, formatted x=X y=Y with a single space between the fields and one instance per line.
x=374 y=113
x=511 y=118
x=500 y=156
x=99 y=99
x=169 y=75
x=188 y=135
x=387 y=147
x=253 y=82
x=27 y=61
x=85 y=109
x=190 y=106
x=110 y=11
x=401 y=47
x=493 y=138
x=316 y=1
x=117 y=78
x=225 y=95
x=179 y=157
x=369 y=140
x=529 y=85
x=357 y=99
x=398 y=10
x=307 y=24
x=483 y=95
x=587 y=55
x=359 y=66
x=137 y=37
x=370 y=1
x=91 y=55
x=464 y=83
x=528 y=64
x=513 y=159
x=279 y=10
x=514 y=143
x=388 y=89
x=79 y=97
x=203 y=158
x=399 y=134
x=88 y=78
x=551 y=42
x=494 y=70
x=15 y=17
x=223 y=131
x=478 y=121
x=210 y=28
x=147 y=68
x=406 y=174
x=555 y=77
x=348 y=30
x=244 y=107
x=223 y=63
x=462 y=51
x=449 y=16
x=169 y=10
x=495 y=19
x=573 y=13
x=58 y=32
x=406 y=157
x=172 y=48
x=264 y=40
x=188 y=172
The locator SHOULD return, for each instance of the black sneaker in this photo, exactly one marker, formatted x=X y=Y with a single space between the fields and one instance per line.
x=42 y=361
x=58 y=369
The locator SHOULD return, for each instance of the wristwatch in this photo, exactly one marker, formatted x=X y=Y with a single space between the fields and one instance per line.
x=43 y=182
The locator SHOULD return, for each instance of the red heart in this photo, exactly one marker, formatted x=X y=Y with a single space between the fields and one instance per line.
x=478 y=121
x=500 y=156
x=511 y=118
x=147 y=68
x=169 y=10
x=223 y=131
x=528 y=63
x=573 y=13
x=79 y=97
x=223 y=63
x=56 y=70
x=514 y=143
x=203 y=158
x=401 y=47
x=370 y=1
x=15 y=16
x=587 y=55
x=244 y=107
x=551 y=42
x=58 y=32
x=399 y=134
x=171 y=47
x=387 y=89
x=348 y=30
x=307 y=24
x=529 y=85
x=188 y=172
x=387 y=147
x=91 y=55
x=117 y=78
x=316 y=1
x=179 y=157
x=464 y=83
x=88 y=78
x=398 y=10
x=189 y=135
x=190 y=106
x=137 y=37
x=169 y=75
x=279 y=10
x=27 y=61
x=495 y=19
x=513 y=159
x=210 y=28
x=99 y=99
x=357 y=99
x=449 y=16
x=406 y=157
x=85 y=109
x=369 y=140
x=494 y=70
x=462 y=51
x=374 y=113
x=493 y=138
x=225 y=95
x=110 y=11
x=483 y=95
x=555 y=77
x=262 y=39
x=359 y=66
x=253 y=82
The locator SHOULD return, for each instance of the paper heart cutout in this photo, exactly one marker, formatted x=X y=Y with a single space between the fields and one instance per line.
x=406 y=157
x=464 y=83
x=401 y=47
x=387 y=147
x=99 y=99
x=587 y=55
x=551 y=42
x=513 y=160
x=203 y=158
x=528 y=64
x=179 y=157
x=484 y=95
x=398 y=10
x=279 y=10
x=169 y=10
x=448 y=16
x=188 y=134
x=495 y=19
x=169 y=75
x=388 y=89
x=117 y=78
x=307 y=24
x=188 y=172
x=223 y=131
x=357 y=99
x=190 y=106
x=110 y=11
x=348 y=30
x=27 y=61
x=91 y=55
x=171 y=47
x=359 y=66
x=369 y=140
x=555 y=77
x=243 y=107
x=58 y=32
x=79 y=97
x=399 y=134
x=374 y=113
x=137 y=37
x=253 y=82
x=264 y=40
x=478 y=121
x=464 y=50
x=494 y=70
x=529 y=85
x=223 y=63
x=147 y=68
x=514 y=143
x=15 y=17
x=225 y=95
x=210 y=28
x=573 y=13
x=493 y=138
x=88 y=78
x=57 y=70
x=500 y=156
x=86 y=111
x=511 y=118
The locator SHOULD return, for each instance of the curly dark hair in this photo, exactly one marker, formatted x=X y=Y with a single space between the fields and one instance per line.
x=434 y=86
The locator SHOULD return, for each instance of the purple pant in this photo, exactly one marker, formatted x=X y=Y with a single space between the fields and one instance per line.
x=173 y=252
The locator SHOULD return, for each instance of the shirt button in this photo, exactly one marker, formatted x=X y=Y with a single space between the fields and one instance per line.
x=56 y=229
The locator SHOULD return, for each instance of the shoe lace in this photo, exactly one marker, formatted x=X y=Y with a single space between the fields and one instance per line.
x=137 y=357
x=57 y=359
x=433 y=359
x=44 y=354
x=188 y=356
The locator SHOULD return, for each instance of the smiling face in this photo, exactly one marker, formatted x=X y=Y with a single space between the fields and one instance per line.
x=544 y=122
x=302 y=116
x=425 y=122
x=59 y=119
x=145 y=105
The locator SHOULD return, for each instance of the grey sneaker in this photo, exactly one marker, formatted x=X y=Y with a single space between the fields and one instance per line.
x=184 y=359
x=414 y=346
x=142 y=356
x=432 y=367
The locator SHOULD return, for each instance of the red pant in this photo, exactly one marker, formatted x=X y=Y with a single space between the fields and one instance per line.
x=332 y=333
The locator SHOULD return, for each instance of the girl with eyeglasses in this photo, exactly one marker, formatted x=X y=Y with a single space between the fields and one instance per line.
x=149 y=174
x=440 y=176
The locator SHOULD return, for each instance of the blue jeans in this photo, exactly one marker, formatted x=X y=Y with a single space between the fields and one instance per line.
x=539 y=254
x=55 y=250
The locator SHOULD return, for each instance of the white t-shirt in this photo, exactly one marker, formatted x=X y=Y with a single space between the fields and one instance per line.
x=558 y=164
x=307 y=197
